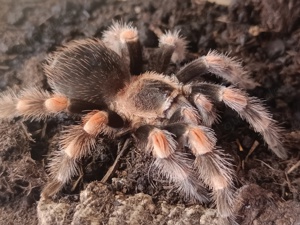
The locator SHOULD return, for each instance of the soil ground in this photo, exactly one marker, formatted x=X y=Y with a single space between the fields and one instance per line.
x=264 y=36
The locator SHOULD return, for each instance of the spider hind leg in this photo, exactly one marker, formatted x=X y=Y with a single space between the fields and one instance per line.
x=32 y=104
x=124 y=40
x=172 y=48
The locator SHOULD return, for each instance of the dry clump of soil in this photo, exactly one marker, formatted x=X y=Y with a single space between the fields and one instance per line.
x=264 y=35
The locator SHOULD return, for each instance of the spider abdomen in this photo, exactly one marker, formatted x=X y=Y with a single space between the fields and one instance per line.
x=87 y=70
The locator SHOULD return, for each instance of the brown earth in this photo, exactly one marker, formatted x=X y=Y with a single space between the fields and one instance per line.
x=264 y=35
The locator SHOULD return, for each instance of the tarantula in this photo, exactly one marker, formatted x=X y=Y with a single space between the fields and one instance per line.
x=169 y=116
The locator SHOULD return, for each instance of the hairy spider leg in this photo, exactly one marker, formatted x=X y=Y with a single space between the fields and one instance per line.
x=173 y=164
x=76 y=142
x=124 y=40
x=172 y=48
x=249 y=108
x=31 y=103
x=220 y=65
x=185 y=114
x=212 y=164
x=206 y=109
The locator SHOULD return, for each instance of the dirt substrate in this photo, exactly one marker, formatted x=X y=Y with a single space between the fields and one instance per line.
x=265 y=36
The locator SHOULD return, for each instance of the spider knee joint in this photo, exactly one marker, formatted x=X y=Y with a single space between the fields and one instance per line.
x=56 y=104
x=129 y=35
x=160 y=143
x=94 y=123
x=200 y=141
x=234 y=98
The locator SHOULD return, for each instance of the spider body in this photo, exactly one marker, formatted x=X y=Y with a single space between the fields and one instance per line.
x=167 y=115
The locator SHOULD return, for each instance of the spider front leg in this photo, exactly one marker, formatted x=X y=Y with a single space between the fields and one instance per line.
x=249 y=108
x=213 y=166
x=77 y=141
x=220 y=65
x=173 y=164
